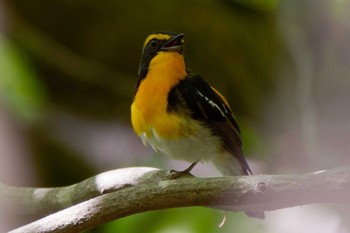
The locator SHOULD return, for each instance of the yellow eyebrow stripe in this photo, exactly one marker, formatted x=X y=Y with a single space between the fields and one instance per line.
x=156 y=36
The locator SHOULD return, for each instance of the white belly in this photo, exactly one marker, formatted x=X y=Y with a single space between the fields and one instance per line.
x=202 y=147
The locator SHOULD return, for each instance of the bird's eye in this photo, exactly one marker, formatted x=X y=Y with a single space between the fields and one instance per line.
x=153 y=43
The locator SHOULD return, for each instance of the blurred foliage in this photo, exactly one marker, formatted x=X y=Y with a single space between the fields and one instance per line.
x=96 y=48
x=85 y=55
x=280 y=64
x=184 y=220
x=259 y=5
x=20 y=90
x=57 y=164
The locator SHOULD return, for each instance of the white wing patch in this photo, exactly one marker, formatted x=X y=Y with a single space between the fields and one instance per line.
x=214 y=105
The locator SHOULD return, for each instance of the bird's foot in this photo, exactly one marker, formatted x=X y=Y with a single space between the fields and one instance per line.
x=187 y=172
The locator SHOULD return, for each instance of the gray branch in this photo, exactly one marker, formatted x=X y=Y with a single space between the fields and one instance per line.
x=128 y=191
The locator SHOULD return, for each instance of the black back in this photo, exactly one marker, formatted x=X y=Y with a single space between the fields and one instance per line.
x=205 y=105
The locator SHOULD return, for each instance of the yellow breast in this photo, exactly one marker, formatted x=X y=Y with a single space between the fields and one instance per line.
x=149 y=109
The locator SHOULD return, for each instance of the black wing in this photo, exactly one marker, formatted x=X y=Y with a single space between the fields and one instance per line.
x=207 y=106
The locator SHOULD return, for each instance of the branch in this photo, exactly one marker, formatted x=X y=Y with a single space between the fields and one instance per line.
x=39 y=202
x=159 y=191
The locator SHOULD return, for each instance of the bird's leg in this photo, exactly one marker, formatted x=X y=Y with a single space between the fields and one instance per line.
x=187 y=171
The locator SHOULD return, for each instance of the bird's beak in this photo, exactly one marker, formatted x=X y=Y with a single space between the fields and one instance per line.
x=175 y=43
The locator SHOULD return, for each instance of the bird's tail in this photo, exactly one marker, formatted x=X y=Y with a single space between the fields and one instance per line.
x=256 y=214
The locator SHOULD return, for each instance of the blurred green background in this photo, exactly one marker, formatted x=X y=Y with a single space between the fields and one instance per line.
x=68 y=71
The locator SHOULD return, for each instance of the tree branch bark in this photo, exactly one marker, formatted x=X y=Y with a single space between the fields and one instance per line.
x=124 y=192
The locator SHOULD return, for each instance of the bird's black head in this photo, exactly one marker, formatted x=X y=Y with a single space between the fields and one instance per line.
x=158 y=43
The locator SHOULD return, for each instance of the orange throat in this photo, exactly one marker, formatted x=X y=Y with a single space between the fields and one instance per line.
x=149 y=109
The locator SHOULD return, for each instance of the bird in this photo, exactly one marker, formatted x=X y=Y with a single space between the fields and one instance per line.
x=177 y=113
